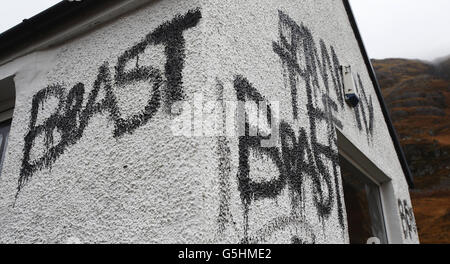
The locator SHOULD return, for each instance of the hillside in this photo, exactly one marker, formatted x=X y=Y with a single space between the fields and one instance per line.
x=417 y=94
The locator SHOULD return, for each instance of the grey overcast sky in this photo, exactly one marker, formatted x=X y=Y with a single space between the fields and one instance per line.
x=404 y=28
x=390 y=28
x=12 y=12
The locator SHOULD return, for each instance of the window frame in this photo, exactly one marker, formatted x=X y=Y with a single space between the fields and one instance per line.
x=7 y=105
x=373 y=196
x=4 y=141
x=366 y=167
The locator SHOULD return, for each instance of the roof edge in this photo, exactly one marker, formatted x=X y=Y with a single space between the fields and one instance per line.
x=387 y=118
x=50 y=21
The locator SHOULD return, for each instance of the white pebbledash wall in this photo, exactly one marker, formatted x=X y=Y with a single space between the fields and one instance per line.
x=93 y=156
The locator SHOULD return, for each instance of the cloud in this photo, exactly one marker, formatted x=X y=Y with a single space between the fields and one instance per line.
x=404 y=28
x=12 y=12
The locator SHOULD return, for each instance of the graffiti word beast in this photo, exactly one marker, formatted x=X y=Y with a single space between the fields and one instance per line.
x=71 y=119
x=317 y=70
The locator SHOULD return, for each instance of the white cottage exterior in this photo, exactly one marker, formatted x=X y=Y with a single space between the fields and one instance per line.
x=198 y=121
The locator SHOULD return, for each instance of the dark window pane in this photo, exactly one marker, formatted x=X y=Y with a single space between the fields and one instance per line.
x=4 y=132
x=363 y=205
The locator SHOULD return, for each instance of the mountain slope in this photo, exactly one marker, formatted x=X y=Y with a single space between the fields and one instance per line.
x=417 y=94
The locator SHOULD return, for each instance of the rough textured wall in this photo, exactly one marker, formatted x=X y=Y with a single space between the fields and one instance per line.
x=290 y=52
x=94 y=157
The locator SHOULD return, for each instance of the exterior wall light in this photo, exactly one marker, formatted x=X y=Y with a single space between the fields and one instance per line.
x=349 y=87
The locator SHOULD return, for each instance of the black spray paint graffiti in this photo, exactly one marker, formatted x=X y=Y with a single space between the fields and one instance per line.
x=70 y=118
x=223 y=153
x=300 y=60
x=407 y=218
x=301 y=155
x=296 y=48
x=365 y=102
x=249 y=189
x=290 y=162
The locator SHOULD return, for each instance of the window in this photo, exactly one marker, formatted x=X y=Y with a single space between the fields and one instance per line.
x=7 y=102
x=376 y=201
x=363 y=205
x=4 y=132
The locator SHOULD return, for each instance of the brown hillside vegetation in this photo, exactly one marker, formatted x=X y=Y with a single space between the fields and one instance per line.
x=418 y=97
x=432 y=212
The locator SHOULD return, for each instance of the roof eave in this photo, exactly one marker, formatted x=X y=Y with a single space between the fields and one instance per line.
x=387 y=118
